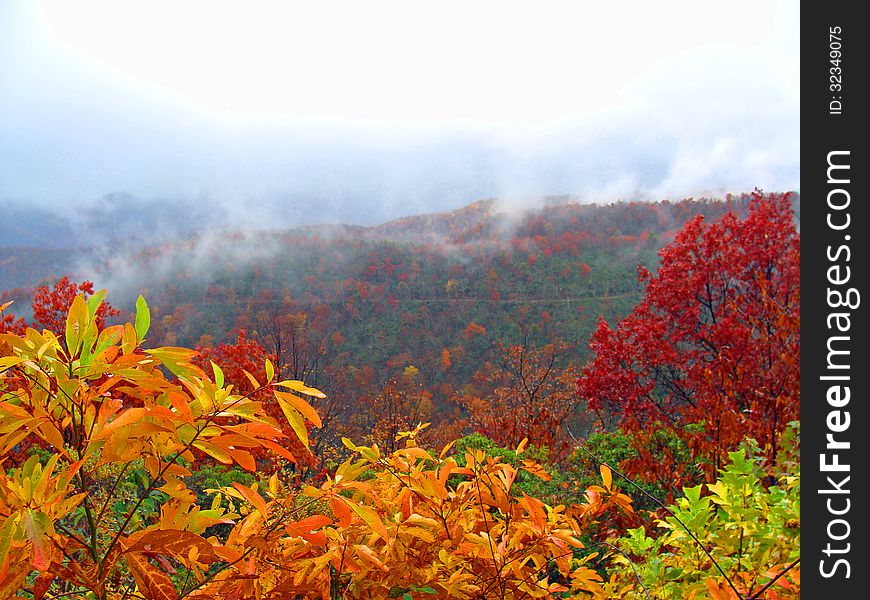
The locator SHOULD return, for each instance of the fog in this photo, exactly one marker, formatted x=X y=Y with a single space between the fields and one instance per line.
x=119 y=121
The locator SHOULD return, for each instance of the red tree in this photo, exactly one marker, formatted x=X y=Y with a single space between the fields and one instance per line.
x=10 y=324
x=712 y=352
x=51 y=305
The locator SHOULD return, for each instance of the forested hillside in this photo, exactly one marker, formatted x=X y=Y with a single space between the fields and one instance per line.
x=611 y=395
x=446 y=294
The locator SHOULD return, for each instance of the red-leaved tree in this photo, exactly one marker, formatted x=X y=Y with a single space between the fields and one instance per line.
x=712 y=353
x=51 y=304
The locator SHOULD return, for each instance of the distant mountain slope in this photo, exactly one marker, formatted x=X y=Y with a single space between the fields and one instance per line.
x=27 y=266
x=36 y=245
x=350 y=307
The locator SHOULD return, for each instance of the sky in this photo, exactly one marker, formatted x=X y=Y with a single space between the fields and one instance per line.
x=275 y=113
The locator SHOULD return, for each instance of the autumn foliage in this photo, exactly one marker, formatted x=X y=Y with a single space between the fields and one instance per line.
x=107 y=512
x=104 y=438
x=711 y=354
x=121 y=435
x=243 y=364
x=528 y=394
x=50 y=306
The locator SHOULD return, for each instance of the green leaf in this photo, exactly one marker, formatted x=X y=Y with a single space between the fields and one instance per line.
x=95 y=301
x=143 y=318
x=425 y=590
x=89 y=338
x=270 y=371
x=218 y=374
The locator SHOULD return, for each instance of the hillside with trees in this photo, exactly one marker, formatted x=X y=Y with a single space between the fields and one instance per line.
x=573 y=401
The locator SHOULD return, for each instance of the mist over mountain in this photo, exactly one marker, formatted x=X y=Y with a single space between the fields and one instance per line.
x=111 y=241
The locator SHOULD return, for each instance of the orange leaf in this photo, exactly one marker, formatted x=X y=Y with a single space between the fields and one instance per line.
x=41 y=585
x=12 y=578
x=175 y=542
x=368 y=555
x=306 y=529
x=131 y=415
x=341 y=511
x=153 y=583
x=227 y=553
x=279 y=450
x=244 y=459
x=536 y=470
x=716 y=592
x=252 y=497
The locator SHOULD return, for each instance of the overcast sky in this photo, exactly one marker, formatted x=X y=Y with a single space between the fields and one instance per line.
x=302 y=112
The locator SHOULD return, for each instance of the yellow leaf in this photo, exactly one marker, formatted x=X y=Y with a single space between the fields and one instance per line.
x=252 y=379
x=522 y=445
x=76 y=323
x=606 y=476
x=370 y=517
x=298 y=386
x=218 y=374
x=215 y=452
x=423 y=534
x=129 y=340
x=7 y=362
x=294 y=417
x=446 y=449
x=302 y=406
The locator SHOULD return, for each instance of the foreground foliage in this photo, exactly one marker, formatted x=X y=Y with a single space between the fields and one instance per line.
x=108 y=496
x=751 y=534
x=106 y=512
